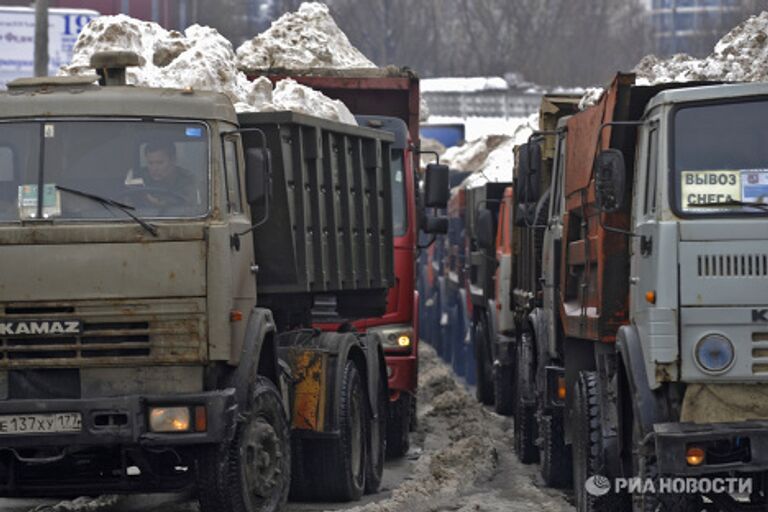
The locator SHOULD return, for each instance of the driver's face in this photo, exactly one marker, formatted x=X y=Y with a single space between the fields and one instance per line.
x=160 y=165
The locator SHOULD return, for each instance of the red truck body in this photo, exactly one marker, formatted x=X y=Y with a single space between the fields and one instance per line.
x=387 y=92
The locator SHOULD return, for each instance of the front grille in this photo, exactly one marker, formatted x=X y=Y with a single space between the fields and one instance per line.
x=733 y=265
x=114 y=339
x=156 y=331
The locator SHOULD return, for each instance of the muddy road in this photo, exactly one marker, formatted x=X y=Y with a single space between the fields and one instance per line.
x=461 y=460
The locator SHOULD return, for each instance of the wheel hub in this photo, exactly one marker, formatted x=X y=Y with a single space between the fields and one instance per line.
x=262 y=456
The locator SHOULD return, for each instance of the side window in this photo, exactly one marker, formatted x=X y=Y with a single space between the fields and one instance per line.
x=649 y=205
x=232 y=176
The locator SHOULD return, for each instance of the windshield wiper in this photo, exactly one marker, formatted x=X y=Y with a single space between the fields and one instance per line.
x=125 y=208
x=731 y=202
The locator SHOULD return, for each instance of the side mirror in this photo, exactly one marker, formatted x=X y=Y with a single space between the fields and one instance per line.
x=484 y=229
x=436 y=190
x=610 y=180
x=436 y=225
x=523 y=161
x=534 y=158
x=258 y=182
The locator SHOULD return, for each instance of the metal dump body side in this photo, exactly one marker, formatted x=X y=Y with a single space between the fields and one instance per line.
x=330 y=220
x=595 y=260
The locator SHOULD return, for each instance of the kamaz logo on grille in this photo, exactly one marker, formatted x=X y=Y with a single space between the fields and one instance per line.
x=760 y=315
x=40 y=327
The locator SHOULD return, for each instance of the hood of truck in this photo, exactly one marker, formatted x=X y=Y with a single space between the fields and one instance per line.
x=92 y=264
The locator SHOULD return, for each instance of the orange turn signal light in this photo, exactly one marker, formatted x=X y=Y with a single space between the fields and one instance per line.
x=201 y=419
x=235 y=315
x=561 y=388
x=650 y=297
x=694 y=456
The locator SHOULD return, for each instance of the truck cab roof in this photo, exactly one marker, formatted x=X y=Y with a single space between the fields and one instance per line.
x=707 y=92
x=81 y=97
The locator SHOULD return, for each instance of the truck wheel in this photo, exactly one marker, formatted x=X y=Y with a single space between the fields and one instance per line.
x=483 y=363
x=398 y=426
x=525 y=412
x=252 y=473
x=556 y=467
x=377 y=442
x=503 y=390
x=587 y=450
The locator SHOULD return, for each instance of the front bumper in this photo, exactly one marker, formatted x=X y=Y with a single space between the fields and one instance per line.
x=131 y=414
x=673 y=439
x=402 y=371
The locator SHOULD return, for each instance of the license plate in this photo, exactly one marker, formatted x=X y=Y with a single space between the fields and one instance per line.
x=41 y=423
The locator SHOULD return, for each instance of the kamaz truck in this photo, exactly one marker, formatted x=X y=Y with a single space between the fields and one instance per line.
x=161 y=257
x=648 y=350
x=385 y=99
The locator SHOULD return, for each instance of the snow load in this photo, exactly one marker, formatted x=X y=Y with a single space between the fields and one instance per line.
x=740 y=56
x=306 y=39
x=199 y=58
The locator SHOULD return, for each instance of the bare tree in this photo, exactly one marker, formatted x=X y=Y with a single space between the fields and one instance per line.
x=552 y=42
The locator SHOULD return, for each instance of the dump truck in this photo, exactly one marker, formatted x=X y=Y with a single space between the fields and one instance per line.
x=385 y=99
x=162 y=256
x=651 y=367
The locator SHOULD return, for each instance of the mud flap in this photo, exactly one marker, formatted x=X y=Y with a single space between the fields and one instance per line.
x=316 y=360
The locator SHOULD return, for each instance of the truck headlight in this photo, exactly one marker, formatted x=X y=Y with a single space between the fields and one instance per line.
x=169 y=419
x=714 y=353
x=401 y=339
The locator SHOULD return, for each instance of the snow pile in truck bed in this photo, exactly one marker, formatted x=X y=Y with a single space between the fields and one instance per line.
x=199 y=58
x=740 y=56
x=306 y=39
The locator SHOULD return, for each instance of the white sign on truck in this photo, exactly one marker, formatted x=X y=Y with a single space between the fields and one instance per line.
x=17 y=39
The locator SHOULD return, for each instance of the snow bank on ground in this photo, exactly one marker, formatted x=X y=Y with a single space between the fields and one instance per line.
x=305 y=39
x=740 y=56
x=466 y=447
x=200 y=58
x=490 y=158
x=82 y=504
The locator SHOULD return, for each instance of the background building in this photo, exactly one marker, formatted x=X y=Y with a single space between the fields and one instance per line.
x=693 y=26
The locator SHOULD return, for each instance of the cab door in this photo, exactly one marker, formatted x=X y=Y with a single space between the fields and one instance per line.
x=653 y=258
x=243 y=268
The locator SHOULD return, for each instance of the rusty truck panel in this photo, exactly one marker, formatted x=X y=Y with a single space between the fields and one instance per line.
x=592 y=255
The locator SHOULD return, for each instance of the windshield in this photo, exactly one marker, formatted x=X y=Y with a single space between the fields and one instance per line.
x=155 y=169
x=399 y=208
x=721 y=158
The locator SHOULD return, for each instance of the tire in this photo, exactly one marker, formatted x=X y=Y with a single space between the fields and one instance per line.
x=253 y=472
x=335 y=470
x=556 y=466
x=588 y=449
x=399 y=426
x=525 y=431
x=504 y=390
x=377 y=443
x=483 y=363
